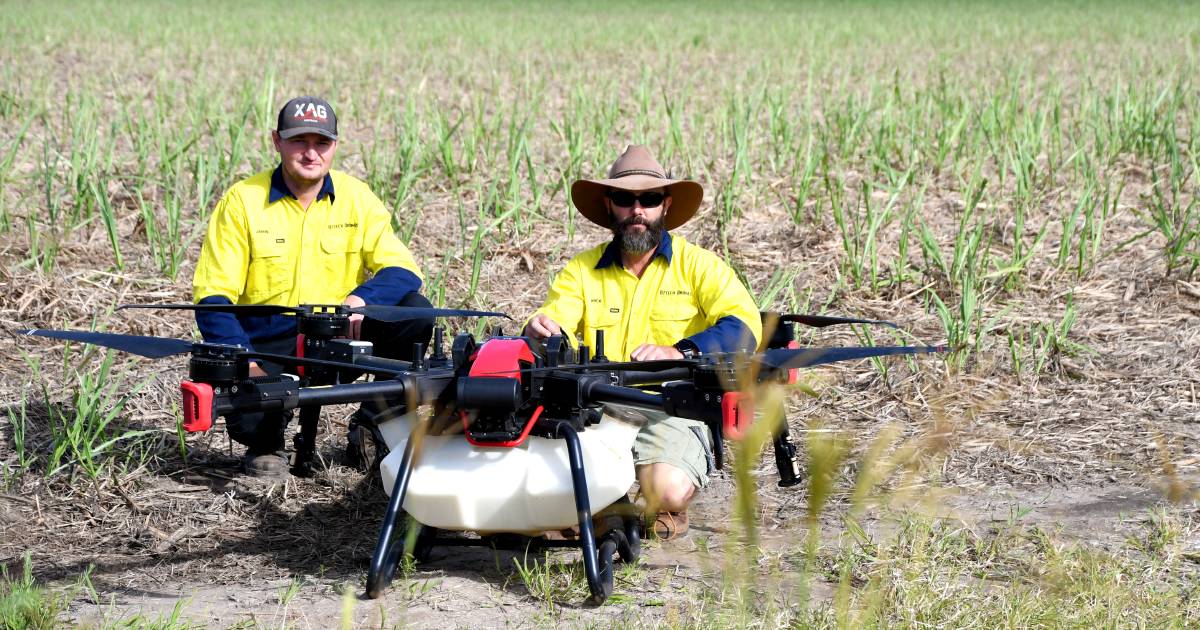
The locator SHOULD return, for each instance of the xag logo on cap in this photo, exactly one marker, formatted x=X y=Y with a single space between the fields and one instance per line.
x=310 y=112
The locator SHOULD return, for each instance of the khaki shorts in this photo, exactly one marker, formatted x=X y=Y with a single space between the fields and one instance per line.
x=663 y=439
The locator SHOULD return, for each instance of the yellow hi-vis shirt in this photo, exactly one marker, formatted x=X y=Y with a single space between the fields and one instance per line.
x=258 y=252
x=684 y=293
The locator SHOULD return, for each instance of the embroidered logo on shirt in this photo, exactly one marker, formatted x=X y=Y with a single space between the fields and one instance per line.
x=334 y=226
x=674 y=292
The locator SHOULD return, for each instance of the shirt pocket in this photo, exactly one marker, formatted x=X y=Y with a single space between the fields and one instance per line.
x=341 y=260
x=670 y=321
x=601 y=319
x=269 y=274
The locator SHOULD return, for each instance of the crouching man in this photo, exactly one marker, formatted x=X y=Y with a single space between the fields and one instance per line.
x=655 y=296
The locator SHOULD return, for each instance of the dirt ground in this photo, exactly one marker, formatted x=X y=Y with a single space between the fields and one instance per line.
x=1086 y=450
x=246 y=582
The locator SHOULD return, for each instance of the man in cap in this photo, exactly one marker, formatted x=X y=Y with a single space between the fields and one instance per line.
x=302 y=233
x=655 y=296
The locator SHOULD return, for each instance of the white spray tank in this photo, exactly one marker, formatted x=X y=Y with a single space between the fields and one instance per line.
x=456 y=485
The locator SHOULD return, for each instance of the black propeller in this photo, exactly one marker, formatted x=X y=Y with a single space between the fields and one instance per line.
x=152 y=347
x=784 y=359
x=821 y=321
x=374 y=311
x=160 y=347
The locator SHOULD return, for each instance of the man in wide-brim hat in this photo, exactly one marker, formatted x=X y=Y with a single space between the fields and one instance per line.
x=655 y=296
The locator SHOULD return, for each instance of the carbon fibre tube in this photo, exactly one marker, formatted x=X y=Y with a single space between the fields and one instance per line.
x=352 y=393
x=601 y=392
x=633 y=378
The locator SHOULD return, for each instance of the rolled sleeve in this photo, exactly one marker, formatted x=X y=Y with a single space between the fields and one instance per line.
x=735 y=323
x=225 y=254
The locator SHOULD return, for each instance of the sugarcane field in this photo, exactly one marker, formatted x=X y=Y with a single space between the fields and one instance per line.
x=644 y=315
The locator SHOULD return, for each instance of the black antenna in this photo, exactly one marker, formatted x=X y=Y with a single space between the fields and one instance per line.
x=438 y=352
x=418 y=362
x=600 y=358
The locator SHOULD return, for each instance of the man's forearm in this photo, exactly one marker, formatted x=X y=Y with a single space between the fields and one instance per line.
x=221 y=327
x=729 y=334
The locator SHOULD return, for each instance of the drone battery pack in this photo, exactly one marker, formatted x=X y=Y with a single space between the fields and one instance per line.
x=197 y=406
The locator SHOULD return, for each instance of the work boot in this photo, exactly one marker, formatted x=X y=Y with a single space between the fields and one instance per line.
x=360 y=448
x=273 y=465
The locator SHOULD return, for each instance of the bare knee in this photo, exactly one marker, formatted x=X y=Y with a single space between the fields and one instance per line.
x=666 y=487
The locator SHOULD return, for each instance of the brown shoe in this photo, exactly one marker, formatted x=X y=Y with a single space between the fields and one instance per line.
x=669 y=525
x=266 y=465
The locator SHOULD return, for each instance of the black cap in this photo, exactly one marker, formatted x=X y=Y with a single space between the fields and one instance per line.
x=307 y=114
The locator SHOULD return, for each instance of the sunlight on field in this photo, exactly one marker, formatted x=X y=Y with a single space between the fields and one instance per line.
x=1018 y=180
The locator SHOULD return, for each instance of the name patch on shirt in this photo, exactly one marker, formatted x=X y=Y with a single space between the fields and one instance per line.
x=334 y=226
x=674 y=292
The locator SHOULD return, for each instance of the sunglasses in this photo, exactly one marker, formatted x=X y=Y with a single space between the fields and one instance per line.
x=625 y=199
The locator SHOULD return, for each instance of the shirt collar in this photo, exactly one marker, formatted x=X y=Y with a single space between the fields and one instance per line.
x=612 y=253
x=279 y=188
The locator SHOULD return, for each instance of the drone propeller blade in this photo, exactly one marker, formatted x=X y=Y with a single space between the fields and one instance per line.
x=373 y=311
x=287 y=359
x=403 y=313
x=821 y=321
x=237 y=309
x=807 y=357
x=152 y=347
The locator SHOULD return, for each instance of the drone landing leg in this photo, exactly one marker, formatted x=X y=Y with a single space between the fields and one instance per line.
x=787 y=460
x=306 y=441
x=390 y=545
x=598 y=569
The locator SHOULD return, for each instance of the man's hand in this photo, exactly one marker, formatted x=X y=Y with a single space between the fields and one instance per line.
x=541 y=327
x=355 y=318
x=652 y=352
x=256 y=371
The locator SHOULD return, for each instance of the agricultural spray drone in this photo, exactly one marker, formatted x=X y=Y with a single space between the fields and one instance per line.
x=515 y=423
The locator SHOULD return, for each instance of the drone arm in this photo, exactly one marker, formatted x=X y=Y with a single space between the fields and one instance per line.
x=285 y=393
x=352 y=393
x=635 y=378
x=601 y=392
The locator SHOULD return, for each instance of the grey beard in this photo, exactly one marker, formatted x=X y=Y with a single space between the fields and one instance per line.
x=640 y=242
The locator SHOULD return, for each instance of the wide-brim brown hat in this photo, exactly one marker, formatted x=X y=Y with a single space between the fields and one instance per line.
x=637 y=170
